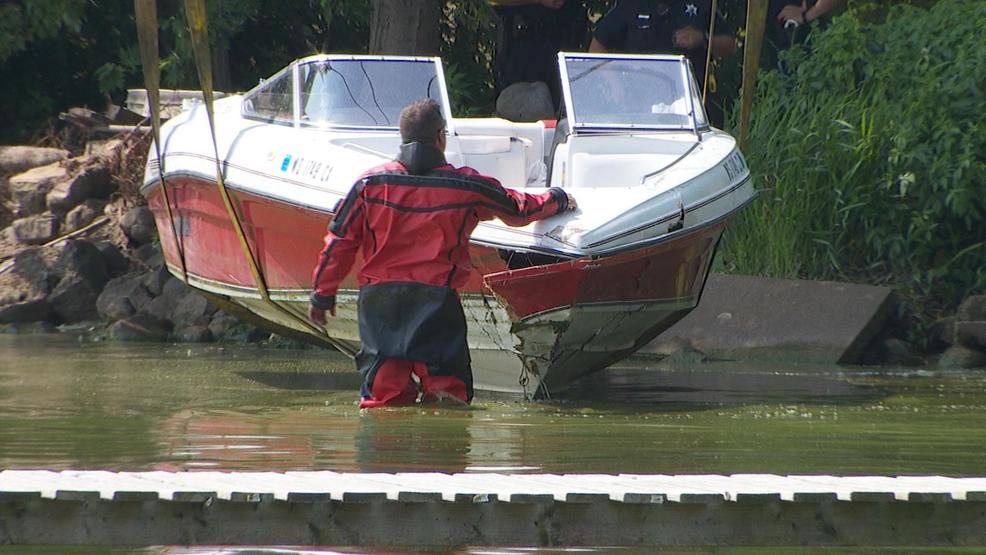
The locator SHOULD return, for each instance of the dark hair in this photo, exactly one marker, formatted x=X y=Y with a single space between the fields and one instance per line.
x=420 y=121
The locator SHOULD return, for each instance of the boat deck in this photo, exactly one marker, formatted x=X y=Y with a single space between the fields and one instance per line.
x=418 y=509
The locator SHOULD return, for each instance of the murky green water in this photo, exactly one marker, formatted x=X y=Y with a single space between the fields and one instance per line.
x=66 y=404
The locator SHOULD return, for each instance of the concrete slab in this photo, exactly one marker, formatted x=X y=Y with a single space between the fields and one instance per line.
x=754 y=317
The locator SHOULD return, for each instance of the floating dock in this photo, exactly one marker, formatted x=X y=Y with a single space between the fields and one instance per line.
x=433 y=509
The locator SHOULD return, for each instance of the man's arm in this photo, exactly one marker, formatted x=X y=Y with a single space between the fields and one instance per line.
x=723 y=41
x=821 y=8
x=516 y=208
x=336 y=258
x=723 y=45
x=611 y=30
x=800 y=14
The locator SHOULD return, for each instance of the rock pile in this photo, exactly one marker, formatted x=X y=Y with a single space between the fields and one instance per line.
x=107 y=278
x=965 y=335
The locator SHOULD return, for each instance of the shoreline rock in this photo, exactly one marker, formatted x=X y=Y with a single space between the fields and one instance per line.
x=109 y=283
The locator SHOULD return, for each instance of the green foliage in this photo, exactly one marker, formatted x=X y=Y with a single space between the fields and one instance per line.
x=49 y=51
x=871 y=155
x=23 y=21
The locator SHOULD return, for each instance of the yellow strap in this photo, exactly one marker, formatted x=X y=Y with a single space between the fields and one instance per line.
x=708 y=53
x=197 y=23
x=145 y=12
x=195 y=12
x=756 y=23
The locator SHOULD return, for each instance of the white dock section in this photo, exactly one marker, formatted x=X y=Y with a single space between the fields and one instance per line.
x=321 y=507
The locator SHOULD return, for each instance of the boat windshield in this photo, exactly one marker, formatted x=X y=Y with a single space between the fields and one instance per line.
x=350 y=92
x=631 y=92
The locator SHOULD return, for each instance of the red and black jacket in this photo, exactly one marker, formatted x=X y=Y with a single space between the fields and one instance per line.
x=413 y=216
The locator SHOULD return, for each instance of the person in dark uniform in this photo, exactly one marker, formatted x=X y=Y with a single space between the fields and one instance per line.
x=664 y=27
x=789 y=22
x=530 y=33
x=412 y=218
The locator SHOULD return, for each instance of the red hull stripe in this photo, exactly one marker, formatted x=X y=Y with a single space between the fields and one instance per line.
x=287 y=240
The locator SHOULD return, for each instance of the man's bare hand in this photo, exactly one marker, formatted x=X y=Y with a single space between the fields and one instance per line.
x=689 y=37
x=572 y=205
x=553 y=4
x=317 y=315
x=792 y=13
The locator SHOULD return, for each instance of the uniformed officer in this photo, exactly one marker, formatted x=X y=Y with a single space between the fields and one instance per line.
x=790 y=21
x=664 y=27
x=530 y=33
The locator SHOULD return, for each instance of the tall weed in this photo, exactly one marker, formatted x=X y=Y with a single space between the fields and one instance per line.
x=871 y=154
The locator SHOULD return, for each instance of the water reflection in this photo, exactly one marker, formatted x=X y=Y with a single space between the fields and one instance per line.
x=703 y=386
x=389 y=441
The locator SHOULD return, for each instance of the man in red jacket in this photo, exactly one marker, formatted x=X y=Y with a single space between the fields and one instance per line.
x=412 y=217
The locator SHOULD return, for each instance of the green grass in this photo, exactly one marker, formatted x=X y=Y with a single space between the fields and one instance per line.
x=870 y=153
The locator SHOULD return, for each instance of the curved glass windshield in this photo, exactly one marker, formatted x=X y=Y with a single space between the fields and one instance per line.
x=615 y=92
x=272 y=99
x=346 y=92
x=363 y=93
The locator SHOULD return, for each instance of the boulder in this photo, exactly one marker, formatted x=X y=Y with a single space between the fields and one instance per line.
x=226 y=327
x=150 y=255
x=16 y=159
x=31 y=266
x=155 y=280
x=84 y=214
x=943 y=331
x=35 y=230
x=6 y=216
x=116 y=262
x=525 y=101
x=193 y=309
x=972 y=309
x=84 y=259
x=36 y=309
x=114 y=308
x=123 y=297
x=14 y=295
x=958 y=356
x=172 y=293
x=140 y=327
x=138 y=225
x=194 y=334
x=29 y=189
x=971 y=334
x=106 y=152
x=900 y=353
x=6 y=213
x=92 y=182
x=74 y=299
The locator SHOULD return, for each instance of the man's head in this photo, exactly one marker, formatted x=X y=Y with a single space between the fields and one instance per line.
x=422 y=122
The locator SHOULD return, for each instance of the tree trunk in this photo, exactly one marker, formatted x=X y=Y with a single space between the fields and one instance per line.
x=221 y=79
x=409 y=27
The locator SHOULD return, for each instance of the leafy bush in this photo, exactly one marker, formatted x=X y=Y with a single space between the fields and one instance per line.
x=871 y=154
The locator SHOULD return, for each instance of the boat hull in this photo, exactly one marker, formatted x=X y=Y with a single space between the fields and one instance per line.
x=532 y=330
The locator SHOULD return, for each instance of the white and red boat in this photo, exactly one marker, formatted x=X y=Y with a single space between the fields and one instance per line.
x=553 y=301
